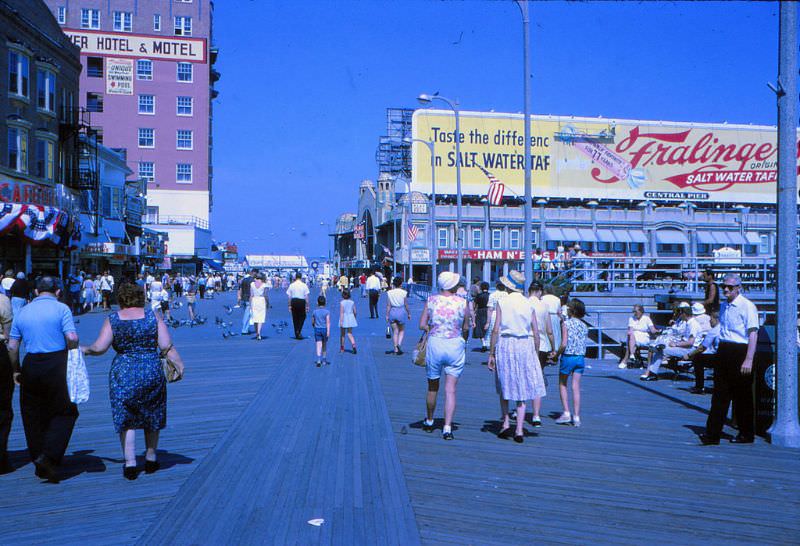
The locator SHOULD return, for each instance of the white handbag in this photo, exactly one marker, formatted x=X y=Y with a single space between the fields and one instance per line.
x=77 y=377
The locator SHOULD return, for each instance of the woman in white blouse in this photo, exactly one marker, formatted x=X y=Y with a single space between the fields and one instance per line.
x=639 y=329
x=397 y=313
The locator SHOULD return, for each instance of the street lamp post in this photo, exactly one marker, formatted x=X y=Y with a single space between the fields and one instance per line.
x=523 y=8
x=426 y=99
x=328 y=242
x=432 y=220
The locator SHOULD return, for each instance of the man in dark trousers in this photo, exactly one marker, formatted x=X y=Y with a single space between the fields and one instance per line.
x=244 y=300
x=6 y=383
x=374 y=290
x=298 y=304
x=733 y=368
x=48 y=416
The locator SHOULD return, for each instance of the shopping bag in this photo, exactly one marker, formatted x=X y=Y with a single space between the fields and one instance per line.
x=420 y=350
x=77 y=377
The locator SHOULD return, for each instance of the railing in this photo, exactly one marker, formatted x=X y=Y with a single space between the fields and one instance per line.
x=421 y=291
x=181 y=219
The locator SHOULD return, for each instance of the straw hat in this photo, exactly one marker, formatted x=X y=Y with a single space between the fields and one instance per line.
x=448 y=280
x=514 y=281
x=698 y=308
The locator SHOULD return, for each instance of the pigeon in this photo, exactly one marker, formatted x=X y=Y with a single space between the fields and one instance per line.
x=228 y=309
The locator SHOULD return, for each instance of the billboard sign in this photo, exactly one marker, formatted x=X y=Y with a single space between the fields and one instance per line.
x=119 y=77
x=598 y=159
x=125 y=44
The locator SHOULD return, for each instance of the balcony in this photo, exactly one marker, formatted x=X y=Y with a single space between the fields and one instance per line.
x=177 y=219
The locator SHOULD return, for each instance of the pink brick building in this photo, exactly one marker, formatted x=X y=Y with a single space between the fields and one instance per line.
x=148 y=82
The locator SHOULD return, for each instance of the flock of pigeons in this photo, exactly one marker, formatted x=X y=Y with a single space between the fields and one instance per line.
x=225 y=325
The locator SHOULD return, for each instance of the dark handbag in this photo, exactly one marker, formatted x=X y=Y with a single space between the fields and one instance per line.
x=171 y=371
x=388 y=331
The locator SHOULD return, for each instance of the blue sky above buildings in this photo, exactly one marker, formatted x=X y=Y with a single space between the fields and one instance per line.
x=305 y=86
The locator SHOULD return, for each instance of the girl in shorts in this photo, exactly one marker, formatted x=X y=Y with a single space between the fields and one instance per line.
x=573 y=352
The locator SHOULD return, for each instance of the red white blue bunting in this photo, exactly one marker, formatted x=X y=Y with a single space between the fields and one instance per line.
x=40 y=224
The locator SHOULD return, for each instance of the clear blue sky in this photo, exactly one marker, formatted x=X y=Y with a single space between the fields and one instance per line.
x=305 y=86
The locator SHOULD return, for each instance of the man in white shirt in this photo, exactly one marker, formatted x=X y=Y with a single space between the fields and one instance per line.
x=374 y=290
x=703 y=355
x=106 y=288
x=676 y=347
x=733 y=369
x=298 y=304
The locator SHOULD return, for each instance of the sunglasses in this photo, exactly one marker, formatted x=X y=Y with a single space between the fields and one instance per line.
x=730 y=286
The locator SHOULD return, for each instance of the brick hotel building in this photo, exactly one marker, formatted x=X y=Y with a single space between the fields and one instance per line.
x=148 y=83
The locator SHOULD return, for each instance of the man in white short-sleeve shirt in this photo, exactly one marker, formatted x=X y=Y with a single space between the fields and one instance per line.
x=733 y=369
x=298 y=304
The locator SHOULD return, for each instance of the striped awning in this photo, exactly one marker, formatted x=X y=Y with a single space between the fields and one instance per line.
x=608 y=236
x=753 y=238
x=570 y=234
x=706 y=238
x=553 y=234
x=671 y=237
x=587 y=235
x=637 y=236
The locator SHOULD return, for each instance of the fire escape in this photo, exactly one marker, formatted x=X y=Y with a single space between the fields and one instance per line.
x=82 y=164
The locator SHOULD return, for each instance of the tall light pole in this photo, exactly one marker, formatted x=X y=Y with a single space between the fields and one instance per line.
x=327 y=243
x=432 y=220
x=426 y=99
x=523 y=8
x=785 y=431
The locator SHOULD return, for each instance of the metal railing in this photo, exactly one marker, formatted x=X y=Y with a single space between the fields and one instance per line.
x=182 y=219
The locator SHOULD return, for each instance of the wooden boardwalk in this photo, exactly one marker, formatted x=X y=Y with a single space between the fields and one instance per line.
x=260 y=441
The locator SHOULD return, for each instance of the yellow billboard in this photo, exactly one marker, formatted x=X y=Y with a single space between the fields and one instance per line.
x=591 y=158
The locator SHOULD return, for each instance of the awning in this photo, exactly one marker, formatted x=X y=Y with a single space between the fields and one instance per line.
x=637 y=236
x=671 y=237
x=553 y=234
x=705 y=238
x=214 y=265
x=721 y=237
x=753 y=238
x=736 y=238
x=571 y=234
x=587 y=235
x=607 y=236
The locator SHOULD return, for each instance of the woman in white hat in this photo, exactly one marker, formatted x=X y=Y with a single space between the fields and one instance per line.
x=447 y=319
x=514 y=354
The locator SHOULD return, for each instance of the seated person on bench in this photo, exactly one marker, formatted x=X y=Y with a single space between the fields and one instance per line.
x=703 y=354
x=676 y=347
x=640 y=326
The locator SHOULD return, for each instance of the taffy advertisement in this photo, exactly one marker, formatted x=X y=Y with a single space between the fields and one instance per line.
x=597 y=158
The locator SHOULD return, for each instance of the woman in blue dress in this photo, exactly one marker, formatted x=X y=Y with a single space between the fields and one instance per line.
x=137 y=386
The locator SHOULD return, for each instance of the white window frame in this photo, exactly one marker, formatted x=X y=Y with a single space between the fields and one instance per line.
x=123 y=21
x=156 y=22
x=152 y=137
x=477 y=238
x=181 y=137
x=61 y=15
x=178 y=72
x=178 y=106
x=23 y=66
x=443 y=237
x=49 y=158
x=514 y=241
x=497 y=238
x=141 y=75
x=90 y=19
x=183 y=25
x=49 y=97
x=178 y=173
x=143 y=101
x=152 y=169
x=21 y=146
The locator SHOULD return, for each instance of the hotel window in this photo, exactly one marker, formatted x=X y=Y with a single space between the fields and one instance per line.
x=94 y=67
x=90 y=18
x=185 y=105
x=147 y=138
x=513 y=236
x=443 y=238
x=184 y=72
x=18 y=70
x=147 y=171
x=147 y=104
x=763 y=245
x=497 y=238
x=144 y=69
x=18 y=149
x=94 y=102
x=183 y=26
x=184 y=139
x=61 y=15
x=156 y=23
x=123 y=21
x=184 y=173
x=477 y=238
x=45 y=159
x=46 y=90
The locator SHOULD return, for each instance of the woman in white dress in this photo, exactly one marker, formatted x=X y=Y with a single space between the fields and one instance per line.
x=258 y=304
x=347 y=320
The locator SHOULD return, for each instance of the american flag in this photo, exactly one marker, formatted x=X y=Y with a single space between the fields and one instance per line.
x=496 y=188
x=412 y=232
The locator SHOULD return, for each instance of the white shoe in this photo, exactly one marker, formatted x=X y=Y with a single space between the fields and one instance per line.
x=622 y=365
x=643 y=376
x=576 y=421
x=565 y=419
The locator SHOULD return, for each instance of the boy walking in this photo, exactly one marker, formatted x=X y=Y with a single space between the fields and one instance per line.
x=321 y=322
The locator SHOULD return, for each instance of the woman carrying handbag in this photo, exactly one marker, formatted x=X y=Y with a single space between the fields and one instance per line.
x=137 y=384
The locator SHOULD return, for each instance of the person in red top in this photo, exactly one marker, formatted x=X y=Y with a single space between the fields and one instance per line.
x=362 y=281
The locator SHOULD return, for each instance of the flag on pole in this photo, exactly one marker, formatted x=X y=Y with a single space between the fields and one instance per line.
x=496 y=188
x=412 y=232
